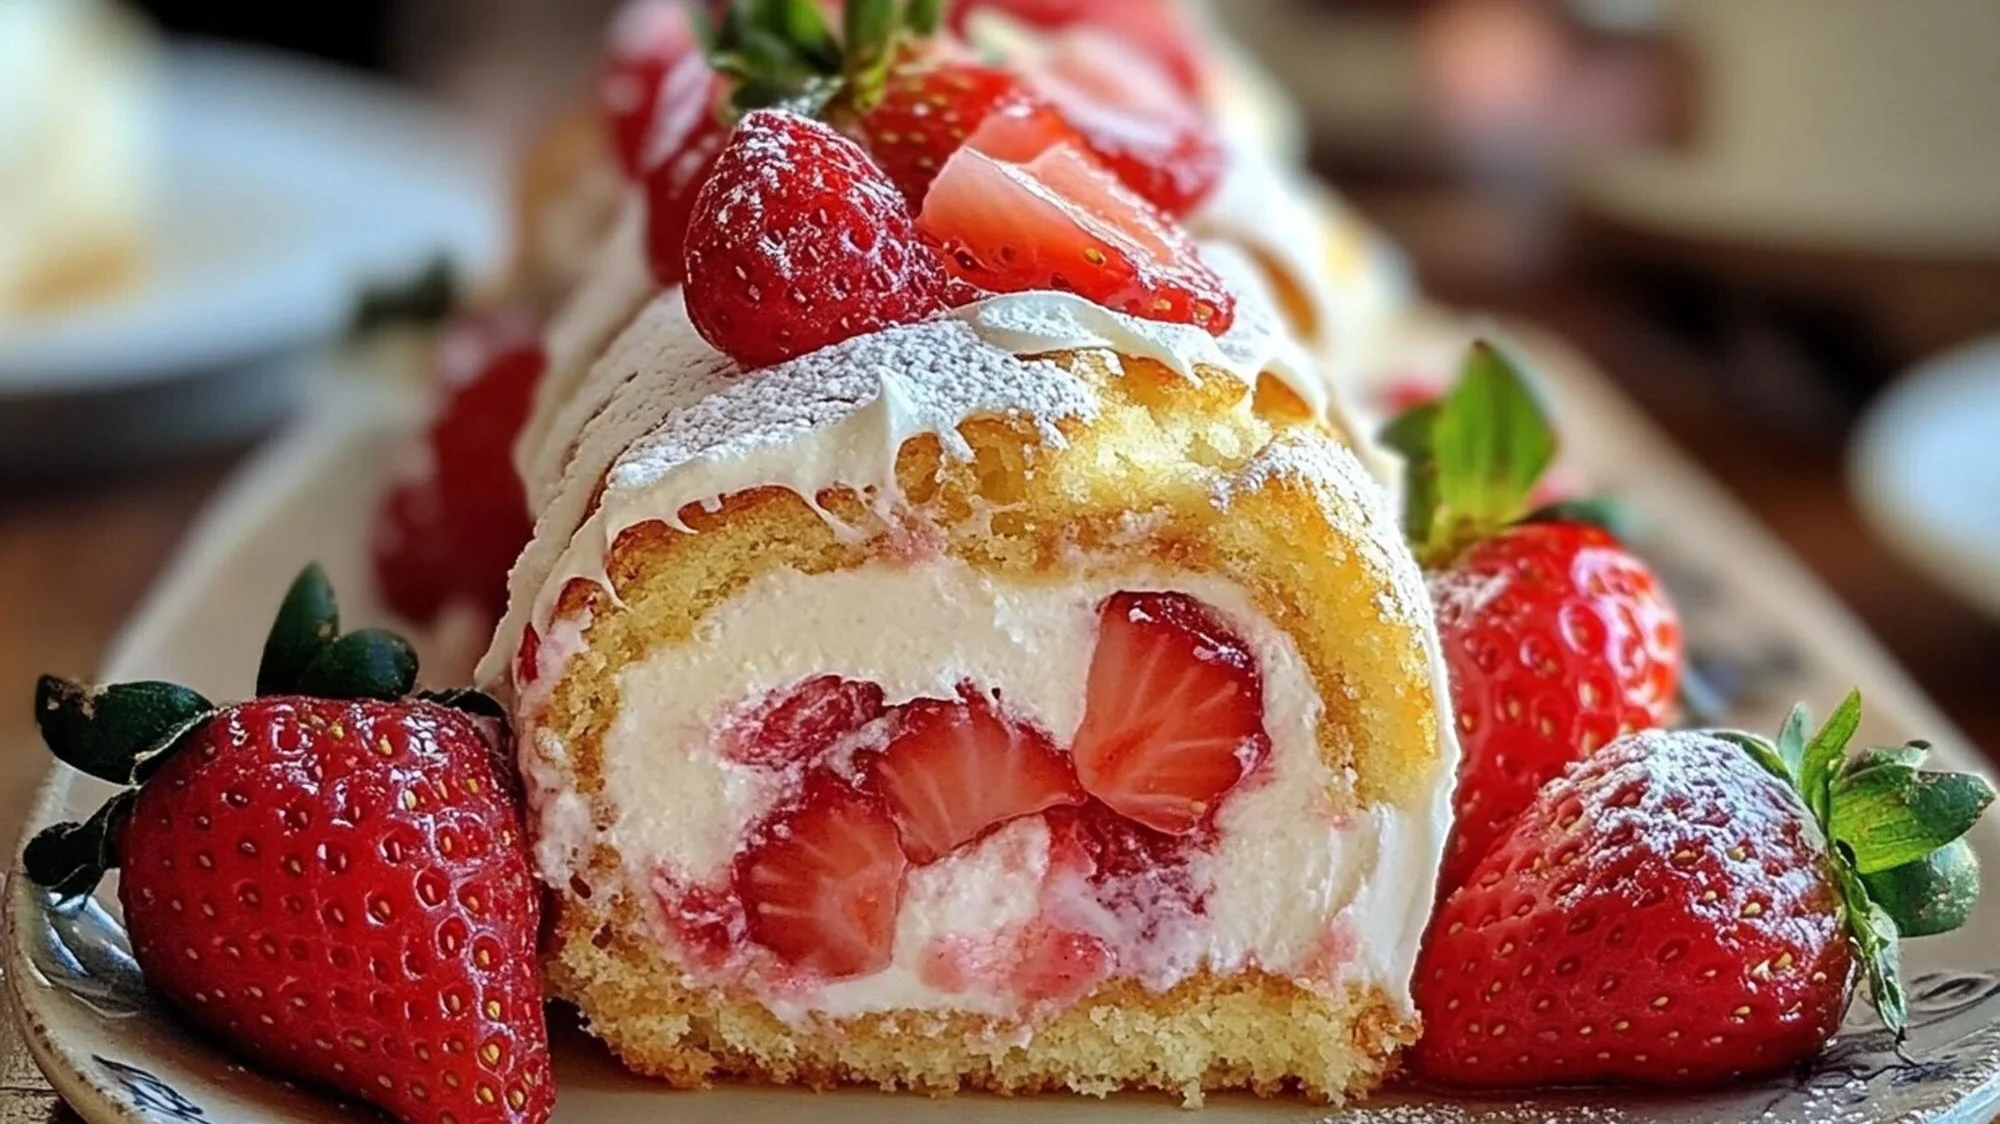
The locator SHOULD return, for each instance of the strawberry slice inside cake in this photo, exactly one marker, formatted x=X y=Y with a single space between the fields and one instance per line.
x=1092 y=851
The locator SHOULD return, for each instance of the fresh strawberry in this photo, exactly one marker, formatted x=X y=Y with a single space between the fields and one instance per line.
x=1670 y=911
x=1174 y=712
x=928 y=109
x=1558 y=639
x=1021 y=129
x=796 y=728
x=956 y=770
x=332 y=878
x=649 y=39
x=1062 y=222
x=412 y=551
x=1133 y=119
x=451 y=530
x=822 y=881
x=799 y=241
x=685 y=145
x=1162 y=30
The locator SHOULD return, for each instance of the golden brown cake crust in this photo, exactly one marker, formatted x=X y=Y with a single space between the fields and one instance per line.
x=1252 y=1031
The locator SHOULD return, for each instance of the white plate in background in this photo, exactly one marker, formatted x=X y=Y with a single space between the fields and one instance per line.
x=1926 y=470
x=288 y=187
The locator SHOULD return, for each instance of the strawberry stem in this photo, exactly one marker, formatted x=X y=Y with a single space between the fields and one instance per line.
x=1895 y=832
x=783 y=53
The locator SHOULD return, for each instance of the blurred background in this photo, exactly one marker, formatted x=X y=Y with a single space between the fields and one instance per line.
x=1772 y=222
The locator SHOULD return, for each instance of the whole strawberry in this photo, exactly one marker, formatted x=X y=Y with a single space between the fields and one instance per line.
x=1557 y=638
x=799 y=241
x=331 y=877
x=450 y=528
x=1688 y=907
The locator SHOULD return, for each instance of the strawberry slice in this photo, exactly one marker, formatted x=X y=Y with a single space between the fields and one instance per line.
x=1063 y=222
x=1174 y=714
x=927 y=111
x=800 y=725
x=1022 y=129
x=1162 y=29
x=957 y=770
x=1134 y=119
x=823 y=881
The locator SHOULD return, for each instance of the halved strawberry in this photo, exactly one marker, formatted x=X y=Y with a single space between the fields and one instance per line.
x=803 y=723
x=1174 y=717
x=1162 y=29
x=823 y=881
x=957 y=770
x=1133 y=118
x=1063 y=222
x=927 y=111
x=1022 y=129
x=649 y=39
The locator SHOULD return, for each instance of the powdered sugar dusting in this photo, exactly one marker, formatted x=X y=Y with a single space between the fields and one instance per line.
x=1256 y=344
x=680 y=424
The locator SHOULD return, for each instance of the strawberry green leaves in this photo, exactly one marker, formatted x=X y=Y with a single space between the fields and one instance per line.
x=1895 y=830
x=1933 y=895
x=1472 y=458
x=1891 y=815
x=308 y=620
x=784 y=53
x=307 y=654
x=69 y=859
x=113 y=733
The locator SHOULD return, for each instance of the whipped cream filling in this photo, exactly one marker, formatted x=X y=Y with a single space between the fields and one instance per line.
x=663 y=420
x=1292 y=885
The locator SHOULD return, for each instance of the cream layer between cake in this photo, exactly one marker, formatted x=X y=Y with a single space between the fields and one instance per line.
x=1293 y=885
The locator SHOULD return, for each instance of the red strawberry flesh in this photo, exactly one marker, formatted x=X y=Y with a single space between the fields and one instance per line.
x=1174 y=712
x=450 y=531
x=799 y=726
x=928 y=110
x=1661 y=913
x=1558 y=640
x=1061 y=223
x=823 y=881
x=343 y=891
x=1134 y=120
x=799 y=241
x=957 y=770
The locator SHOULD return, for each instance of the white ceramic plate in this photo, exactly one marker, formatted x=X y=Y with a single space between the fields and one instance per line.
x=119 y=1057
x=1926 y=468
x=289 y=187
